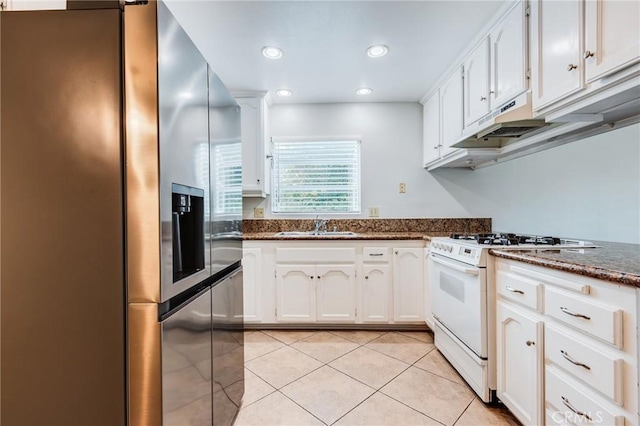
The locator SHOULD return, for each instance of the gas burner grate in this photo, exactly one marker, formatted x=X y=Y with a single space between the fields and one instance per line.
x=498 y=239
x=538 y=240
x=467 y=237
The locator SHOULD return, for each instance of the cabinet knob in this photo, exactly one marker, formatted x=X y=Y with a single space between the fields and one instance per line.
x=530 y=342
x=366 y=277
x=396 y=251
x=436 y=147
x=588 y=54
x=318 y=276
x=492 y=92
x=571 y=67
x=311 y=276
x=483 y=98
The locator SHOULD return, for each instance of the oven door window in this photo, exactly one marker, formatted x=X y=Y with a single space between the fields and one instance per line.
x=459 y=302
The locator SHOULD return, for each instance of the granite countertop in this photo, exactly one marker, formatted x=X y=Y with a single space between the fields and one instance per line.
x=615 y=262
x=358 y=236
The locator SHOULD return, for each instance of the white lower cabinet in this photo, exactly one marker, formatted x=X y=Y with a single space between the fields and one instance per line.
x=252 y=289
x=408 y=284
x=296 y=293
x=335 y=293
x=520 y=362
x=584 y=370
x=376 y=293
x=334 y=282
x=310 y=293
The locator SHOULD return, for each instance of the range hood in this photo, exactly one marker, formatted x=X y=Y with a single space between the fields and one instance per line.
x=504 y=125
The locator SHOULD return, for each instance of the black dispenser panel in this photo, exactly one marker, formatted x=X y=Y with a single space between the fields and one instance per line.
x=187 y=230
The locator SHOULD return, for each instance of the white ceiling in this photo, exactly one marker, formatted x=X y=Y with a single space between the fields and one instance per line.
x=325 y=42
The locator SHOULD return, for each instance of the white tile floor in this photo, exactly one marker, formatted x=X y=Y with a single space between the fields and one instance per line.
x=355 y=378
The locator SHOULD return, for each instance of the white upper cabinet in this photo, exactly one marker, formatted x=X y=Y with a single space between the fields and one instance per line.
x=431 y=130
x=612 y=36
x=476 y=84
x=556 y=50
x=509 y=56
x=256 y=161
x=451 y=111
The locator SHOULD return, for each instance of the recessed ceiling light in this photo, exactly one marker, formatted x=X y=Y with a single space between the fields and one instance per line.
x=284 y=92
x=272 y=52
x=364 y=91
x=377 y=51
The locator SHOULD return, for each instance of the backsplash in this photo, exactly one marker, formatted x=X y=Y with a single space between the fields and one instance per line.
x=431 y=226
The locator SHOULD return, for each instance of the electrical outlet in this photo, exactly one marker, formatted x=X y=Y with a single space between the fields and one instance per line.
x=258 y=213
x=374 y=211
x=403 y=187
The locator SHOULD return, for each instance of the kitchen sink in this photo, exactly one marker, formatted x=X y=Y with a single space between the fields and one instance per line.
x=316 y=235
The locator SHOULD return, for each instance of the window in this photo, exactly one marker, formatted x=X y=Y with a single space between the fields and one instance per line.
x=227 y=172
x=319 y=176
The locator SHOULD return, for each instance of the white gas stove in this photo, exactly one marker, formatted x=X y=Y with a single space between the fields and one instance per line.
x=463 y=300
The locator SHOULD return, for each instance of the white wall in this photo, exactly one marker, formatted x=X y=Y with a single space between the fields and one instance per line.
x=588 y=189
x=391 y=152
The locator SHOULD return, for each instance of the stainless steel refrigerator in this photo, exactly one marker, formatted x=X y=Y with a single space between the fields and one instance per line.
x=120 y=222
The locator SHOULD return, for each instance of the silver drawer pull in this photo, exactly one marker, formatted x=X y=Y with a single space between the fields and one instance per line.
x=572 y=408
x=572 y=361
x=513 y=290
x=376 y=254
x=573 y=314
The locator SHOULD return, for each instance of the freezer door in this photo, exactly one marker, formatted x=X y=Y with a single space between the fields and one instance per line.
x=186 y=364
x=184 y=146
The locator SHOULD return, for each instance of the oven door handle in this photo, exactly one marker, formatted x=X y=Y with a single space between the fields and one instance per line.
x=468 y=271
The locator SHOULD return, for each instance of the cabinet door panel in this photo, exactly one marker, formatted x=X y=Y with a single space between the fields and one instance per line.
x=252 y=294
x=519 y=360
x=612 y=36
x=556 y=42
x=408 y=285
x=376 y=293
x=335 y=293
x=431 y=130
x=509 y=57
x=451 y=112
x=476 y=84
x=296 y=300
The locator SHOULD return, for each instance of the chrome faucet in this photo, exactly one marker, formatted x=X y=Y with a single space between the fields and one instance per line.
x=320 y=226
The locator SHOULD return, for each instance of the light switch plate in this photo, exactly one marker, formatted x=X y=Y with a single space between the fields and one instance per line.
x=374 y=211
x=258 y=212
x=403 y=187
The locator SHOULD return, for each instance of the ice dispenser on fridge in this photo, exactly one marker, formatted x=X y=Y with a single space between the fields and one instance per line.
x=187 y=230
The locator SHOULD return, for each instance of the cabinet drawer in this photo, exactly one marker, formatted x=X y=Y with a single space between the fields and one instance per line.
x=375 y=254
x=519 y=289
x=601 y=372
x=604 y=322
x=568 y=403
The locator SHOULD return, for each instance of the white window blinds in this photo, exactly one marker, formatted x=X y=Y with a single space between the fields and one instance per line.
x=321 y=176
x=227 y=172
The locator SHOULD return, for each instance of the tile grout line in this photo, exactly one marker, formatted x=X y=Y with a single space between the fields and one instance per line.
x=465 y=409
x=286 y=396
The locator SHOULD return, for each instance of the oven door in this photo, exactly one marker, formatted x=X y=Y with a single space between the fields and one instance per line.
x=459 y=301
